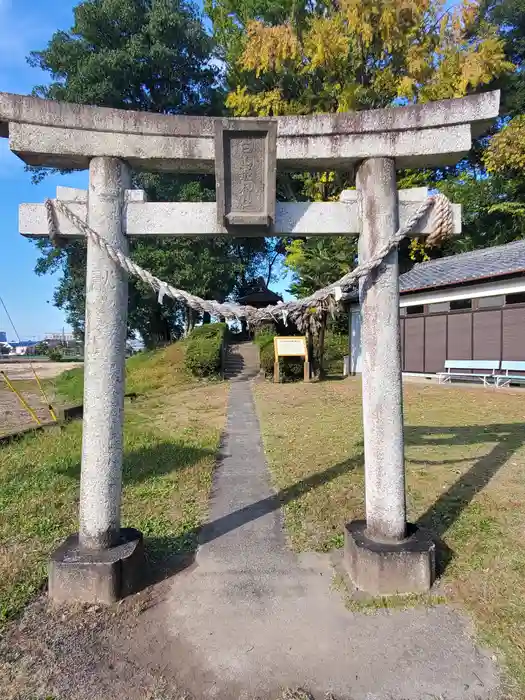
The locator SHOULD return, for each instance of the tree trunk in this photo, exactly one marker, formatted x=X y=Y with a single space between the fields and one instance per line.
x=310 y=349
x=187 y=322
x=322 y=334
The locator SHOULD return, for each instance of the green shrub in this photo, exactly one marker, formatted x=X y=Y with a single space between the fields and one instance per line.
x=335 y=348
x=209 y=330
x=54 y=355
x=204 y=350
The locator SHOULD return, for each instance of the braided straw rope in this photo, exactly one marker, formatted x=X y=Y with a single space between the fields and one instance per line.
x=296 y=311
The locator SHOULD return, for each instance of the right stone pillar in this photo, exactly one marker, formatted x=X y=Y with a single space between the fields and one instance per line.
x=384 y=554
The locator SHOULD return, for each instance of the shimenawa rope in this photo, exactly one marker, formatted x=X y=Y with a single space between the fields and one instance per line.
x=293 y=310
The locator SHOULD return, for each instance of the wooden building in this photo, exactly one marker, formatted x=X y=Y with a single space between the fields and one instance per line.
x=469 y=306
x=260 y=296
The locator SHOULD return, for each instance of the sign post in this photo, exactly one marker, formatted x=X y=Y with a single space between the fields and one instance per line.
x=290 y=346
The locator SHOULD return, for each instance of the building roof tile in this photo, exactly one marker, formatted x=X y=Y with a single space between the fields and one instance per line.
x=465 y=267
x=482 y=264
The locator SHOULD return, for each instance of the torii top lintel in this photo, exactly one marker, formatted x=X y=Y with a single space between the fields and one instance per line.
x=63 y=135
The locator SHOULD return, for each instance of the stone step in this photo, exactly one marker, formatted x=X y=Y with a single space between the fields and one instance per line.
x=242 y=361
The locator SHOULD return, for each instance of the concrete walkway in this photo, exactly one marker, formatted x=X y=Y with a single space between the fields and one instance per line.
x=250 y=617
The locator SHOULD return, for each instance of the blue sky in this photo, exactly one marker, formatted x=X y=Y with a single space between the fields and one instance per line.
x=26 y=25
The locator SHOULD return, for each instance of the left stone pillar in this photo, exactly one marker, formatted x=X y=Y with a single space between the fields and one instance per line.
x=103 y=562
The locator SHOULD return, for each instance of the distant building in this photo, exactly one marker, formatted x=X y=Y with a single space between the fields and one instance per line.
x=24 y=347
x=3 y=337
x=260 y=296
x=468 y=306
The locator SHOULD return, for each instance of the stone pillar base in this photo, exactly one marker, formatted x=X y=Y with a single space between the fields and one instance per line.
x=102 y=576
x=381 y=568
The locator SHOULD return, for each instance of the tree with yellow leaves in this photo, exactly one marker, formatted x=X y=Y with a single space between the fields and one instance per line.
x=306 y=56
x=340 y=55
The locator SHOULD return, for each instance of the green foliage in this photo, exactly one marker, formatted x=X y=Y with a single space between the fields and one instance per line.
x=492 y=214
x=208 y=330
x=507 y=149
x=55 y=355
x=167 y=470
x=493 y=204
x=308 y=57
x=335 y=348
x=150 y=55
x=316 y=262
x=264 y=340
x=204 y=349
x=41 y=348
x=509 y=17
x=303 y=57
x=70 y=385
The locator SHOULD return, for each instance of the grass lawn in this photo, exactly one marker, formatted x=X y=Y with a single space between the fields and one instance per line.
x=172 y=433
x=465 y=450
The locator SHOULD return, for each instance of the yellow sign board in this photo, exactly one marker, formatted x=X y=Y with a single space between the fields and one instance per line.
x=290 y=346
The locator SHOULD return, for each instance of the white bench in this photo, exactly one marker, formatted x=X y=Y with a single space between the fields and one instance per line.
x=482 y=370
x=511 y=366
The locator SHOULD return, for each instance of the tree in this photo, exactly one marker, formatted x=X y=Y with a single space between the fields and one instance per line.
x=315 y=265
x=493 y=210
x=151 y=55
x=298 y=57
x=304 y=57
x=41 y=348
x=491 y=183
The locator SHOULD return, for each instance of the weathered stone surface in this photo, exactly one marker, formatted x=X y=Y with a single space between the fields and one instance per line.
x=33 y=110
x=105 y=355
x=200 y=218
x=102 y=576
x=62 y=135
x=382 y=389
x=387 y=568
x=74 y=194
x=245 y=172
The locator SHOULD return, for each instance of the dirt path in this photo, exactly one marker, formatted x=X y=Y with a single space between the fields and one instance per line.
x=46 y=370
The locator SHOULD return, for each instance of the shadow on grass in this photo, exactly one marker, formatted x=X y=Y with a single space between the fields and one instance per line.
x=509 y=438
x=170 y=555
x=150 y=462
x=221 y=526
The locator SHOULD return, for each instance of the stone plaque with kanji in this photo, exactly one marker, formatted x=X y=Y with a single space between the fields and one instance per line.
x=245 y=162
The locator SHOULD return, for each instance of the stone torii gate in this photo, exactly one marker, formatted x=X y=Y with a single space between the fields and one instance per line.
x=384 y=554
